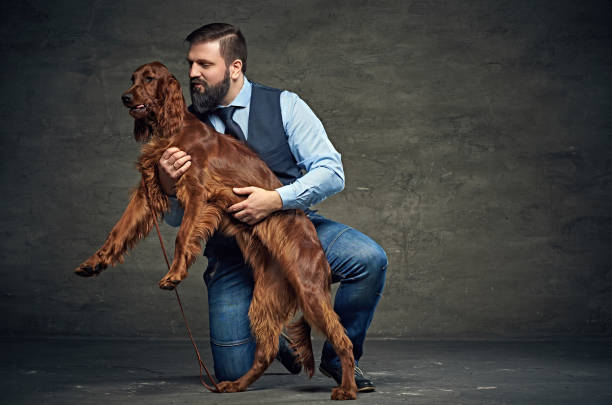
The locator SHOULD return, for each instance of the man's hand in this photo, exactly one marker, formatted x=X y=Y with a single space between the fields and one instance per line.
x=259 y=204
x=173 y=163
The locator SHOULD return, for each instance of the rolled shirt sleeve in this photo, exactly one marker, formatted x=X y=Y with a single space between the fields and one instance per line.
x=313 y=152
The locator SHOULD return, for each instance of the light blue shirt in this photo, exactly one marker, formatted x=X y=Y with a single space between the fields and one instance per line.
x=308 y=143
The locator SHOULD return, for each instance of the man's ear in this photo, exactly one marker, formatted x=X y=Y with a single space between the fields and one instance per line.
x=235 y=69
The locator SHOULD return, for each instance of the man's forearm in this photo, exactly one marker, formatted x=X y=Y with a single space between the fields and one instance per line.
x=315 y=186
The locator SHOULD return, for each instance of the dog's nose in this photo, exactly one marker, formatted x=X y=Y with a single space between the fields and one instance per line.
x=127 y=97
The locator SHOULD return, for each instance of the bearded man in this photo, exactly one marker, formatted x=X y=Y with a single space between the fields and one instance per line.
x=287 y=135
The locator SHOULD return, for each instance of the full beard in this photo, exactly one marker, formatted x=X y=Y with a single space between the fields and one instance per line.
x=210 y=97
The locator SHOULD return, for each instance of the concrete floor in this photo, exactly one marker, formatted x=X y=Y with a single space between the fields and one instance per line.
x=103 y=371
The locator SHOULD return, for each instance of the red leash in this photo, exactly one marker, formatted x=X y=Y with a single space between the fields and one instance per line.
x=195 y=347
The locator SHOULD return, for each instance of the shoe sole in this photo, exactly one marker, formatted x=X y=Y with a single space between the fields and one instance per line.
x=363 y=389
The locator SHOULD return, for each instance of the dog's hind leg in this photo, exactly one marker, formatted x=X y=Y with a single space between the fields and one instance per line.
x=308 y=272
x=272 y=305
x=317 y=310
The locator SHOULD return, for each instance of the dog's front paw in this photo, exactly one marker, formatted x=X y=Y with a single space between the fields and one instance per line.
x=230 y=386
x=171 y=280
x=90 y=268
x=340 y=394
x=166 y=284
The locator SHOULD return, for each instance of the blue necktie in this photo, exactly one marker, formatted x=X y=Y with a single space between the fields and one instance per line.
x=231 y=127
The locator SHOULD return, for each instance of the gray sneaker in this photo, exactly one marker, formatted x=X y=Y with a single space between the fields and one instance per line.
x=287 y=356
x=364 y=384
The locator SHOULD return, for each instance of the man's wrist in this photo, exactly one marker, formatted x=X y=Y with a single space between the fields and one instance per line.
x=286 y=195
x=164 y=182
x=279 y=201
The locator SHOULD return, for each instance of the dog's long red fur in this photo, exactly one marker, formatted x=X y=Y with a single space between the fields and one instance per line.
x=289 y=267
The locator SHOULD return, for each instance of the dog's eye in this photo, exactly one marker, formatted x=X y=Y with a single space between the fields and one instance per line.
x=149 y=79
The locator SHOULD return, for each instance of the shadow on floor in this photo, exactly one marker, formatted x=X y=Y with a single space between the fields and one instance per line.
x=88 y=371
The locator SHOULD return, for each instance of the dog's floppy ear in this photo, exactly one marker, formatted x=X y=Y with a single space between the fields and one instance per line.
x=142 y=131
x=173 y=106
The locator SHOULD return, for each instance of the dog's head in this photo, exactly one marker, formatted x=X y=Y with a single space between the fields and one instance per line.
x=155 y=101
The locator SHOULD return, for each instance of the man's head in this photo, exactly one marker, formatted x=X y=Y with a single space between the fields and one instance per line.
x=217 y=62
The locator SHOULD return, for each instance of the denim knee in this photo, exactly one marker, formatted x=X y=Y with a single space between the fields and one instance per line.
x=232 y=359
x=372 y=259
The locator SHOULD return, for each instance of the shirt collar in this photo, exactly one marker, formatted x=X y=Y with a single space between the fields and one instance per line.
x=244 y=95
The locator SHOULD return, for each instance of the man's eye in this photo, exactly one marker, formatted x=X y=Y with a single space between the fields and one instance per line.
x=149 y=79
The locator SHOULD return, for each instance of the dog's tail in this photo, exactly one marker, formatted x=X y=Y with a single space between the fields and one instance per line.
x=299 y=333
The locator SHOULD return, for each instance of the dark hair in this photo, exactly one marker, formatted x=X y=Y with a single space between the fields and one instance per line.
x=231 y=41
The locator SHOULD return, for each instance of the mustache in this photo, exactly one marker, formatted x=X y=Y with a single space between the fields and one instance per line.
x=196 y=80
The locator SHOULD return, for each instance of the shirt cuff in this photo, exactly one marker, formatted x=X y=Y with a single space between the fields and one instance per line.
x=288 y=196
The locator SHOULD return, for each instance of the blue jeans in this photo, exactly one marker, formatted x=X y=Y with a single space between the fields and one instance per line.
x=356 y=261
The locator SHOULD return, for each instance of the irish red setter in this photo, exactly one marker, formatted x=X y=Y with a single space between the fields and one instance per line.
x=289 y=267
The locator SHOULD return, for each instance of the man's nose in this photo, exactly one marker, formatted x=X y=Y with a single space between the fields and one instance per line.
x=127 y=98
x=193 y=71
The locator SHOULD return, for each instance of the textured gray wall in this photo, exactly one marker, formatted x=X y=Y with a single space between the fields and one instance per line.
x=475 y=135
